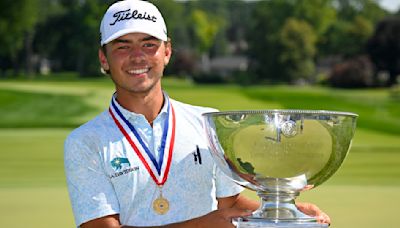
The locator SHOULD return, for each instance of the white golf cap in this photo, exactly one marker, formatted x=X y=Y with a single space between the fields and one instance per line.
x=130 y=16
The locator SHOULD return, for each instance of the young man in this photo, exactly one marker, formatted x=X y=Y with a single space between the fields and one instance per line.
x=145 y=161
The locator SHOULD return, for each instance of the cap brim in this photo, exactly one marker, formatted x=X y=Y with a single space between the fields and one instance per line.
x=133 y=30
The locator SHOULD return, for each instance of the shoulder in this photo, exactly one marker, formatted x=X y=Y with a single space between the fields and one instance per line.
x=192 y=110
x=190 y=114
x=89 y=132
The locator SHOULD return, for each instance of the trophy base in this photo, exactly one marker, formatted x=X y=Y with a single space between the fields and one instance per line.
x=245 y=223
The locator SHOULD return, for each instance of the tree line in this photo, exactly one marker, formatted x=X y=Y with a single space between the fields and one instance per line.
x=346 y=43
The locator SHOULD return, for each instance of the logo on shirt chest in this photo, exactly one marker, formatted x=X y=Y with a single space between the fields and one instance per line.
x=118 y=163
x=197 y=156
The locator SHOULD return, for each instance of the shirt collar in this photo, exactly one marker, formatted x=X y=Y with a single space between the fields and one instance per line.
x=140 y=117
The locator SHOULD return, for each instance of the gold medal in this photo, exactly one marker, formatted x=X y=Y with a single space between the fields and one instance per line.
x=161 y=205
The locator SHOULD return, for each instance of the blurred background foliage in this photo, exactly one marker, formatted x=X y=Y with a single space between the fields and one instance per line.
x=342 y=43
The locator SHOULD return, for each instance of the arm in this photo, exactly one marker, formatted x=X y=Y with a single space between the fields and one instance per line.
x=91 y=192
x=238 y=201
x=220 y=218
x=111 y=221
x=228 y=208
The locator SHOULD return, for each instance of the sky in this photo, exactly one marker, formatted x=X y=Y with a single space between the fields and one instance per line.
x=390 y=5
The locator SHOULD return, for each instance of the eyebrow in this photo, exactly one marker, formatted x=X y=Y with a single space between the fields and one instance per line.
x=147 y=38
x=119 y=40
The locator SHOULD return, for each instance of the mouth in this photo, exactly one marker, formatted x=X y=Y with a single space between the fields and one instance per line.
x=139 y=71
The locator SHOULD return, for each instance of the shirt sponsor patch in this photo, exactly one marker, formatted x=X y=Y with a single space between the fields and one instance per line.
x=118 y=163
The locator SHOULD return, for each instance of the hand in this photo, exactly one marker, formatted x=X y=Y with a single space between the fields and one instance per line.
x=314 y=211
x=221 y=218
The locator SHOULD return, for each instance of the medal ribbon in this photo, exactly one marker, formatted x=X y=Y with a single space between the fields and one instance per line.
x=157 y=170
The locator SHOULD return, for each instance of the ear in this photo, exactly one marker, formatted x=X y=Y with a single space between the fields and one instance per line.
x=103 y=60
x=168 y=52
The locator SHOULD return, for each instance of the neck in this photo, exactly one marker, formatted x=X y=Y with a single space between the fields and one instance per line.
x=147 y=104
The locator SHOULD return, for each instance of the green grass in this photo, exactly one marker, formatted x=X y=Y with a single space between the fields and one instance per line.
x=32 y=157
x=41 y=110
x=357 y=206
x=35 y=207
x=377 y=110
x=374 y=159
x=363 y=193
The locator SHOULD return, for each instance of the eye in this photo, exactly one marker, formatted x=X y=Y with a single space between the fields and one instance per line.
x=123 y=47
x=149 y=45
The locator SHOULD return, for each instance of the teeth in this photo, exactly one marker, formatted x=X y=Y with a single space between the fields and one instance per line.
x=138 y=71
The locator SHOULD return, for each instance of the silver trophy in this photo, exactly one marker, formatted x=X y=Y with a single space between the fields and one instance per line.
x=279 y=153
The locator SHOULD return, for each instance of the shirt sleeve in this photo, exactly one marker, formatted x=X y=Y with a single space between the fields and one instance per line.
x=91 y=192
x=226 y=186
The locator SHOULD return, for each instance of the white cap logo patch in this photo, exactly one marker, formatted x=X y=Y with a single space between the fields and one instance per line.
x=132 y=16
x=126 y=15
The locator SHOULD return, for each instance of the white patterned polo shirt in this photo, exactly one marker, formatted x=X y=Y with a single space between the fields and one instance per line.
x=105 y=176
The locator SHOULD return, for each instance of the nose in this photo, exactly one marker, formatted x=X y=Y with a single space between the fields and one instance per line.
x=136 y=54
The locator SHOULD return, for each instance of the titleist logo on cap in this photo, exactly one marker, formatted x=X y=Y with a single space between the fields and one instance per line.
x=127 y=15
x=132 y=16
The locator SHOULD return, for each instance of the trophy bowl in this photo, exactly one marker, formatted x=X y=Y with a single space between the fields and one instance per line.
x=278 y=154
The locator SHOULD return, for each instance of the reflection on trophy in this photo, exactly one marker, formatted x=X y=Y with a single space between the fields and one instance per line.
x=279 y=153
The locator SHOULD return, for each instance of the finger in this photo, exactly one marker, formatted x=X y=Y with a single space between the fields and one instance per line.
x=309 y=209
x=323 y=218
x=230 y=213
x=313 y=210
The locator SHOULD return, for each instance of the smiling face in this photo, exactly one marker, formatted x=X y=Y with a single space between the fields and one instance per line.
x=136 y=62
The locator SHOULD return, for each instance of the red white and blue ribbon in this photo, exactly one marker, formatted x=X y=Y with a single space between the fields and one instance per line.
x=158 y=169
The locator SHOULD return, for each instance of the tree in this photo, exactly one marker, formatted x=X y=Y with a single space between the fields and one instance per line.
x=354 y=23
x=297 y=39
x=74 y=47
x=384 y=48
x=87 y=39
x=217 y=12
x=349 y=9
x=347 y=38
x=270 y=45
x=267 y=21
x=204 y=29
x=320 y=14
x=239 y=19
x=17 y=21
